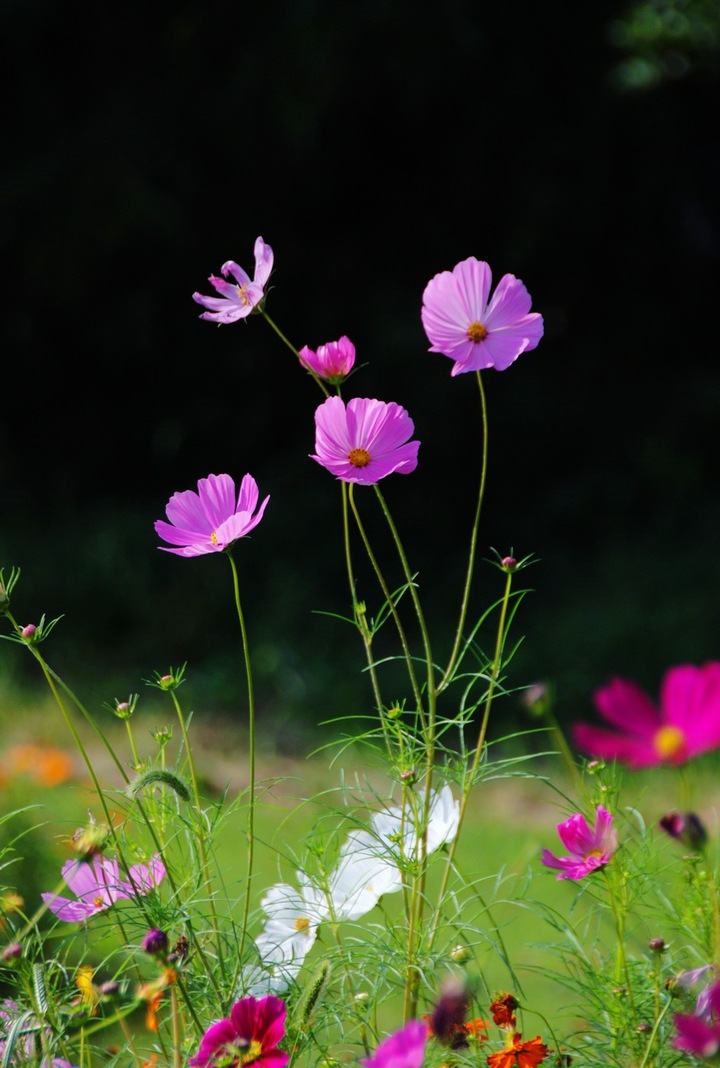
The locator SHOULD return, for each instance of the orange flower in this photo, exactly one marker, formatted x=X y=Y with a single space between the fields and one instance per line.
x=503 y=1011
x=519 y=1054
x=460 y=1032
x=151 y=993
x=46 y=764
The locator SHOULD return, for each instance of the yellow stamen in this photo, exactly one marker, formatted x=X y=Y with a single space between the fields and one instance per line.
x=359 y=457
x=213 y=537
x=242 y=293
x=668 y=742
x=476 y=332
x=302 y=924
x=251 y=1053
x=98 y=902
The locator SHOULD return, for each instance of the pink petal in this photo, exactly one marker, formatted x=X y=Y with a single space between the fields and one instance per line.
x=217 y=499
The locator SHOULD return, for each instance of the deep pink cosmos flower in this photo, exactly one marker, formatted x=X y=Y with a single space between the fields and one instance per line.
x=364 y=441
x=686 y=724
x=333 y=361
x=403 y=1049
x=97 y=885
x=699 y=1032
x=236 y=301
x=475 y=330
x=212 y=519
x=250 y=1036
x=589 y=849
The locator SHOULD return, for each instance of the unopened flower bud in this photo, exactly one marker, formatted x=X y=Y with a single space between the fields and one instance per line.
x=155 y=942
x=12 y=951
x=508 y=563
x=687 y=828
x=361 y=998
x=108 y=989
x=28 y=632
x=460 y=954
x=408 y=777
x=657 y=945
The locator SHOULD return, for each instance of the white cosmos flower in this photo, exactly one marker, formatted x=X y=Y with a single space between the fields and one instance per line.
x=442 y=823
x=364 y=872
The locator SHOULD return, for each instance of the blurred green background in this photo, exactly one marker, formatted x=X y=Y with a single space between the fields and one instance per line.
x=372 y=145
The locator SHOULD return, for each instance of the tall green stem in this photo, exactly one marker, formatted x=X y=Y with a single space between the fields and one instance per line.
x=447 y=676
x=251 y=759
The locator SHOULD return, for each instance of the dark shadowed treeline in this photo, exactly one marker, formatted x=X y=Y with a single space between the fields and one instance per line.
x=371 y=144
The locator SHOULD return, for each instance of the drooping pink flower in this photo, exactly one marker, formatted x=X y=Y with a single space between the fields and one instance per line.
x=364 y=441
x=212 y=519
x=237 y=300
x=699 y=1032
x=403 y=1049
x=97 y=885
x=589 y=849
x=250 y=1036
x=475 y=330
x=686 y=724
x=333 y=361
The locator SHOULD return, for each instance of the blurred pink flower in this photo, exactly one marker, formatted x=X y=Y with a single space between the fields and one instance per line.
x=238 y=300
x=475 y=330
x=364 y=441
x=97 y=885
x=250 y=1036
x=333 y=361
x=403 y=1049
x=589 y=849
x=686 y=724
x=699 y=1032
x=210 y=520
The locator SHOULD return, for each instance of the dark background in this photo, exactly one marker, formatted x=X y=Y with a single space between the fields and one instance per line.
x=372 y=144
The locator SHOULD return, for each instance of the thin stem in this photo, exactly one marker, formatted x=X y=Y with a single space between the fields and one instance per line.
x=470 y=781
x=251 y=761
x=201 y=820
x=447 y=676
x=360 y=614
x=292 y=348
x=391 y=605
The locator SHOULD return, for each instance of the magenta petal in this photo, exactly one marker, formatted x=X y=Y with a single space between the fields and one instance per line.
x=217 y=499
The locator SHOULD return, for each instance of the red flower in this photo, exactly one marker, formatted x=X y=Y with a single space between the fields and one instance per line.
x=503 y=1011
x=250 y=1036
x=519 y=1054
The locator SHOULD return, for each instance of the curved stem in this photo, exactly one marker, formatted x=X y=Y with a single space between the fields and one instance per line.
x=470 y=781
x=294 y=351
x=447 y=675
x=251 y=760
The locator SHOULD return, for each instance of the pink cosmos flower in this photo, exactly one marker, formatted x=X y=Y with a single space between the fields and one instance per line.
x=475 y=330
x=237 y=300
x=403 y=1049
x=250 y=1036
x=364 y=441
x=589 y=849
x=97 y=885
x=686 y=724
x=212 y=519
x=699 y=1032
x=333 y=361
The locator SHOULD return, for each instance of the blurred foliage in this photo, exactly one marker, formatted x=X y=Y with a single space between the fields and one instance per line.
x=666 y=40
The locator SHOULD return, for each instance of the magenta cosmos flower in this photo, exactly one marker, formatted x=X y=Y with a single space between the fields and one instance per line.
x=364 y=441
x=589 y=849
x=699 y=1032
x=475 y=330
x=403 y=1049
x=333 y=361
x=237 y=299
x=686 y=724
x=250 y=1036
x=97 y=885
x=212 y=519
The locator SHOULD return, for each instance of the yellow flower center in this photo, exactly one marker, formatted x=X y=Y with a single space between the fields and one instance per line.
x=476 y=332
x=98 y=902
x=242 y=294
x=359 y=457
x=251 y=1053
x=668 y=742
x=213 y=537
x=302 y=924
